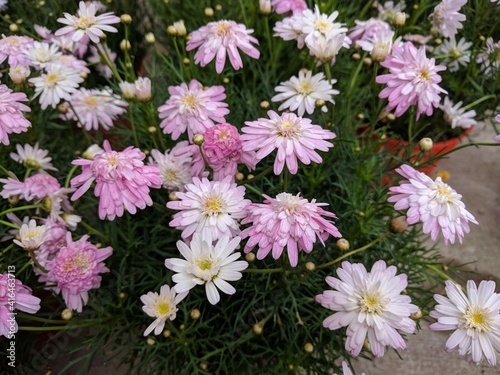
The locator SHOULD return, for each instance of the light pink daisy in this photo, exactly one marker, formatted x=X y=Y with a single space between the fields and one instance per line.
x=122 y=180
x=12 y=119
x=489 y=58
x=474 y=317
x=41 y=55
x=76 y=270
x=13 y=48
x=368 y=29
x=38 y=187
x=192 y=107
x=221 y=38
x=456 y=116
x=95 y=108
x=288 y=221
x=175 y=170
x=412 y=80
x=446 y=19
x=388 y=9
x=369 y=304
x=301 y=93
x=294 y=137
x=87 y=23
x=433 y=203
x=161 y=306
x=223 y=151
x=207 y=263
x=210 y=208
x=33 y=157
x=71 y=62
x=23 y=301
x=289 y=6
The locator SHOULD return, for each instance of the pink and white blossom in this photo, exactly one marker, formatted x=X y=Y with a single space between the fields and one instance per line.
x=13 y=48
x=31 y=236
x=12 y=119
x=33 y=157
x=458 y=53
x=175 y=170
x=36 y=187
x=446 y=18
x=370 y=305
x=289 y=6
x=457 y=116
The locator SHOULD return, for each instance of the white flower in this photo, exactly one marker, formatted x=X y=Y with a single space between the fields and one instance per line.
x=457 y=53
x=446 y=19
x=301 y=93
x=95 y=108
x=143 y=89
x=161 y=306
x=87 y=23
x=19 y=73
x=490 y=57
x=389 y=9
x=31 y=236
x=175 y=171
x=315 y=23
x=92 y=151
x=33 y=157
x=456 y=116
x=325 y=48
x=127 y=89
x=379 y=45
x=58 y=83
x=42 y=54
x=288 y=30
x=474 y=318
x=207 y=264
x=71 y=220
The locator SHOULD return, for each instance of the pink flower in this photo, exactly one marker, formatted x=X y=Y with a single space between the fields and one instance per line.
x=412 y=80
x=289 y=220
x=14 y=296
x=194 y=108
x=11 y=113
x=368 y=29
x=223 y=150
x=122 y=180
x=369 y=304
x=13 y=47
x=38 y=187
x=210 y=208
x=75 y=270
x=446 y=19
x=433 y=203
x=286 y=6
x=497 y=119
x=221 y=38
x=87 y=23
x=294 y=137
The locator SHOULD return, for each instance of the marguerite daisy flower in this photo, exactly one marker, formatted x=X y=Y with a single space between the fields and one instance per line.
x=457 y=53
x=33 y=157
x=456 y=116
x=12 y=119
x=31 y=236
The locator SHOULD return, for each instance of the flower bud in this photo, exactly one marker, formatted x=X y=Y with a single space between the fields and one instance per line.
x=67 y=314
x=264 y=104
x=150 y=341
x=126 y=19
x=13 y=27
x=250 y=176
x=195 y=314
x=143 y=89
x=225 y=80
x=125 y=45
x=150 y=38
x=319 y=103
x=152 y=129
x=417 y=315
x=310 y=266
x=438 y=41
x=128 y=90
x=390 y=117
x=166 y=333
x=218 y=7
x=356 y=56
x=173 y=196
x=360 y=116
x=380 y=51
x=399 y=19
x=343 y=244
x=180 y=28
x=257 y=329
x=265 y=7
x=198 y=139
x=209 y=12
x=204 y=366
x=425 y=144
x=367 y=61
x=398 y=224
x=18 y=74
x=171 y=30
x=13 y=200
x=92 y=151
x=186 y=61
x=250 y=257
x=308 y=347
x=239 y=176
x=122 y=295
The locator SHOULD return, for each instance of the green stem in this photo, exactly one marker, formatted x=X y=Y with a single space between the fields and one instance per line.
x=9 y=224
x=132 y=124
x=56 y=328
x=205 y=161
x=94 y=231
x=14 y=209
x=328 y=73
x=479 y=101
x=41 y=320
x=71 y=172
x=255 y=190
x=26 y=265
x=260 y=270
x=286 y=173
x=440 y=156
x=8 y=248
x=107 y=60
x=363 y=248
x=258 y=177
x=33 y=258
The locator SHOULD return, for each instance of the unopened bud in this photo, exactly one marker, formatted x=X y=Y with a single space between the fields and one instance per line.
x=180 y=28
x=13 y=200
x=186 y=61
x=399 y=19
x=398 y=224
x=380 y=51
x=126 y=19
x=166 y=333
x=239 y=176
x=265 y=7
x=425 y=144
x=390 y=117
x=250 y=176
x=204 y=366
x=343 y=244
x=417 y=315
x=367 y=61
x=319 y=102
x=150 y=341
x=182 y=327
x=173 y=196
x=125 y=45
x=264 y=104
x=18 y=74
x=218 y=7
x=209 y=12
x=150 y=38
x=482 y=38
x=122 y=295
x=356 y=56
x=360 y=116
x=152 y=129
x=195 y=314
x=250 y=257
x=438 y=41
x=257 y=329
x=225 y=80
x=67 y=314
x=310 y=266
x=13 y=27
x=198 y=139
x=171 y=30
x=128 y=90
x=308 y=347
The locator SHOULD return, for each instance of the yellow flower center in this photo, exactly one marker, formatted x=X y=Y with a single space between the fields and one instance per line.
x=444 y=191
x=51 y=79
x=92 y=100
x=371 y=303
x=191 y=101
x=84 y=22
x=162 y=308
x=287 y=128
x=477 y=317
x=213 y=206
x=455 y=53
x=222 y=29
x=81 y=261
x=321 y=25
x=424 y=75
x=32 y=163
x=205 y=264
x=304 y=88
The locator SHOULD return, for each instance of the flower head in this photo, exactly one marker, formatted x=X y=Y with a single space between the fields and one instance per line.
x=122 y=180
x=42 y=54
x=289 y=6
x=175 y=171
x=210 y=208
x=192 y=107
x=369 y=304
x=33 y=157
x=433 y=203
x=412 y=80
x=161 y=306
x=31 y=236
x=95 y=108
x=490 y=57
x=75 y=270
x=446 y=19
x=474 y=317
x=221 y=38
x=294 y=137
x=456 y=116
x=458 y=53
x=209 y=264
x=13 y=48
x=38 y=186
x=287 y=221
x=87 y=23
x=11 y=113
